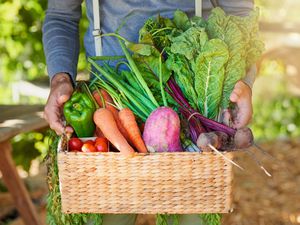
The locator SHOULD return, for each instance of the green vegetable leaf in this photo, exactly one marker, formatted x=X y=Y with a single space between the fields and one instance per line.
x=211 y=218
x=181 y=20
x=184 y=76
x=209 y=76
x=197 y=21
x=219 y=25
x=155 y=32
x=250 y=28
x=241 y=36
x=189 y=43
x=139 y=48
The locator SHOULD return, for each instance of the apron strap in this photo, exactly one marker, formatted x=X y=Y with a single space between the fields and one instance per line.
x=97 y=28
x=198 y=8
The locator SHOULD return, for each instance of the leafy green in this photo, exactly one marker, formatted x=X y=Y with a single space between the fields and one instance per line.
x=244 y=44
x=211 y=218
x=184 y=76
x=165 y=219
x=209 y=76
x=156 y=31
x=189 y=43
x=219 y=25
x=181 y=20
x=198 y=65
x=250 y=29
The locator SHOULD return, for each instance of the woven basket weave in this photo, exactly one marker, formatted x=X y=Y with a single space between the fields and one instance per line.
x=179 y=183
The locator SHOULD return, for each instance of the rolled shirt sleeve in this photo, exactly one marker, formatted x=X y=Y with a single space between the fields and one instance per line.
x=61 y=36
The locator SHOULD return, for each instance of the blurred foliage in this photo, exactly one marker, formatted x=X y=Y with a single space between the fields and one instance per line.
x=21 y=49
x=29 y=146
x=276 y=110
x=278 y=118
x=279 y=11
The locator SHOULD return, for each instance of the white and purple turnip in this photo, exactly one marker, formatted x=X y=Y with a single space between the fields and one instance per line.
x=162 y=131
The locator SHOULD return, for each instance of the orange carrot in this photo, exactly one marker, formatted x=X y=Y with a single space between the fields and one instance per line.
x=108 y=99
x=98 y=132
x=128 y=121
x=104 y=119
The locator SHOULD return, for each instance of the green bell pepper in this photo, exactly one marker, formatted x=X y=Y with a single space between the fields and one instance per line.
x=78 y=111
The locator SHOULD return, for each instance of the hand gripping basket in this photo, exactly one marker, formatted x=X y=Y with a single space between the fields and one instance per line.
x=174 y=183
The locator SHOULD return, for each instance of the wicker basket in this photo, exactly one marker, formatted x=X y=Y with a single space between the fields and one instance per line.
x=179 y=183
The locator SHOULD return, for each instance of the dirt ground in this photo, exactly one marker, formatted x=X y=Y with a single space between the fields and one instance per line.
x=257 y=198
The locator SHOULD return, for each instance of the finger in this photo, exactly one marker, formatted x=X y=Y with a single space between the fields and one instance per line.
x=53 y=116
x=226 y=117
x=243 y=116
x=57 y=127
x=234 y=97
x=63 y=98
x=63 y=93
x=69 y=129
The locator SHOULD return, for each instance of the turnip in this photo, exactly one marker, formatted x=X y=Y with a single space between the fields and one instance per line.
x=162 y=131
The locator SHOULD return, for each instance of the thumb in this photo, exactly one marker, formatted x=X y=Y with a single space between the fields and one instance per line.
x=63 y=98
x=64 y=95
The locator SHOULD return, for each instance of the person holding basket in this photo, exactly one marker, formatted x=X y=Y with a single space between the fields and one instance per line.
x=61 y=46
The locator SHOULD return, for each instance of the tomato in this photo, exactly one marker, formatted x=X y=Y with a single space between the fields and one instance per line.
x=90 y=142
x=88 y=147
x=101 y=144
x=75 y=144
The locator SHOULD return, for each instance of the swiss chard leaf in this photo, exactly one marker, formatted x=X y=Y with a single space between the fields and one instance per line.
x=220 y=26
x=249 y=27
x=209 y=76
x=181 y=20
x=184 y=76
x=241 y=36
x=189 y=43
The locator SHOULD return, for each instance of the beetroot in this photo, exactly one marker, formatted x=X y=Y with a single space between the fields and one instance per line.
x=162 y=131
x=243 y=138
x=217 y=139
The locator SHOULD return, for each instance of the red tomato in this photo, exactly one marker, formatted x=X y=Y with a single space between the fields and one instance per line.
x=75 y=144
x=88 y=147
x=101 y=144
x=90 y=142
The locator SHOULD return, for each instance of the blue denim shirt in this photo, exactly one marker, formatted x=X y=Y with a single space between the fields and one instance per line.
x=61 y=34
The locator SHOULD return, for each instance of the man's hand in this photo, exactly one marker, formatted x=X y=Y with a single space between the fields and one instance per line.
x=242 y=97
x=61 y=90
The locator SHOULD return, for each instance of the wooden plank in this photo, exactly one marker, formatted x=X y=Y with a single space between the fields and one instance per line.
x=16 y=186
x=23 y=123
x=15 y=111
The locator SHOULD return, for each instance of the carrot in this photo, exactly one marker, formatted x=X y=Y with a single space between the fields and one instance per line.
x=108 y=99
x=98 y=132
x=128 y=121
x=104 y=119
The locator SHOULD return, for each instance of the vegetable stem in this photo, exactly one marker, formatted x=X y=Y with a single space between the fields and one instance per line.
x=133 y=66
x=119 y=86
x=138 y=74
x=163 y=94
